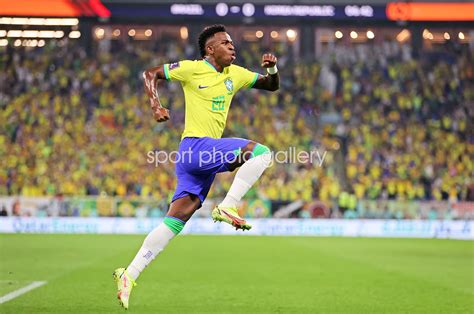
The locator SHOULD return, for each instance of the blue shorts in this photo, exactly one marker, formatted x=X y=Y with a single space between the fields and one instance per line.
x=200 y=159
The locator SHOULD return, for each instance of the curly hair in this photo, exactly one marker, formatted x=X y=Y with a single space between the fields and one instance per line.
x=207 y=33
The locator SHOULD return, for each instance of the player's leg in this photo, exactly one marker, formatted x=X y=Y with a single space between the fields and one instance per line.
x=253 y=159
x=179 y=213
x=194 y=182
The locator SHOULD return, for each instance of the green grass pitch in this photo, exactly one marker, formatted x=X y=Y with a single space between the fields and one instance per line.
x=232 y=274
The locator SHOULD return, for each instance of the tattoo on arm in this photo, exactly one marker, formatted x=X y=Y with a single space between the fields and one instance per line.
x=151 y=77
x=150 y=86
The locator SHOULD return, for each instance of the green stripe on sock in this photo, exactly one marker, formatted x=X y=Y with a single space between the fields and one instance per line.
x=260 y=149
x=175 y=225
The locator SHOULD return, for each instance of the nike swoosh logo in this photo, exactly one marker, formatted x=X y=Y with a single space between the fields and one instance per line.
x=201 y=87
x=234 y=219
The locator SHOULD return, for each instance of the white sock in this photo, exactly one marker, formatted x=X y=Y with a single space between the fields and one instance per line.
x=245 y=177
x=153 y=244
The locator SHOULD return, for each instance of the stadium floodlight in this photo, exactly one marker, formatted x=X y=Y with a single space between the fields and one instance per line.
x=29 y=34
x=35 y=33
x=14 y=33
x=148 y=32
x=39 y=21
x=14 y=21
x=6 y=20
x=3 y=33
x=354 y=35
x=3 y=42
x=461 y=35
x=62 y=22
x=17 y=43
x=291 y=34
x=183 y=32
x=116 y=32
x=403 y=35
x=370 y=35
x=274 y=34
x=41 y=43
x=36 y=21
x=58 y=34
x=338 y=34
x=46 y=34
x=446 y=36
x=427 y=34
x=75 y=34
x=30 y=43
x=19 y=21
x=259 y=34
x=131 y=32
x=99 y=32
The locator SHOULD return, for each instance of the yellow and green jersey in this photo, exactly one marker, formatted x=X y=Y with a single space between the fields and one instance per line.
x=207 y=94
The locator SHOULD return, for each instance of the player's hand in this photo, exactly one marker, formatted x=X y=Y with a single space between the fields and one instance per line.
x=161 y=114
x=268 y=60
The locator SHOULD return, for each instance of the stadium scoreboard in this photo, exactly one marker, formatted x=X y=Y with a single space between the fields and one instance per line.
x=392 y=11
x=249 y=10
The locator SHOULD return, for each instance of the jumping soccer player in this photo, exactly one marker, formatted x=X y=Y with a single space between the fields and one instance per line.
x=209 y=85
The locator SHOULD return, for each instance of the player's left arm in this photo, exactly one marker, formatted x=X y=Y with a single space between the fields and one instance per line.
x=271 y=81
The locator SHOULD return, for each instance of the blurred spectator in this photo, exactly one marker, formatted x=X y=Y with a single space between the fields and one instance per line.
x=3 y=212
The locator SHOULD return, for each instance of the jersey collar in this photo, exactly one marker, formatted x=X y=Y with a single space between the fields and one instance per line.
x=207 y=62
x=224 y=71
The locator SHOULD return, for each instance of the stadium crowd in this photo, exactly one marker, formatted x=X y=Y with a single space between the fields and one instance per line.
x=388 y=126
x=408 y=127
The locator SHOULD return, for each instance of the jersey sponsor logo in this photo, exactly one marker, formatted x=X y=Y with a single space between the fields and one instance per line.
x=229 y=85
x=201 y=86
x=174 y=65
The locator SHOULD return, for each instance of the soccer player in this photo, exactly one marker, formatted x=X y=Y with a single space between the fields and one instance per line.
x=209 y=85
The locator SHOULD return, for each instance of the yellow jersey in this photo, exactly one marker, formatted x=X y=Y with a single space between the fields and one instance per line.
x=207 y=94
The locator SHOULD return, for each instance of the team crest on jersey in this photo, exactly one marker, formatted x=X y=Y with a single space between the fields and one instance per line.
x=229 y=85
x=174 y=65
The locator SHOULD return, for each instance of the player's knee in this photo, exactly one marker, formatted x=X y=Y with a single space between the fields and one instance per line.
x=264 y=151
x=252 y=150
x=260 y=149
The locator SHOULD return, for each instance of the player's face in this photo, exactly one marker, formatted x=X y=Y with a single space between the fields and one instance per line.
x=222 y=48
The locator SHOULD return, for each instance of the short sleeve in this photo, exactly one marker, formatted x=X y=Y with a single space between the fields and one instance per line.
x=179 y=71
x=246 y=78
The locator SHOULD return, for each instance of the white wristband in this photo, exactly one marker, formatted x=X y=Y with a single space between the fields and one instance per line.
x=272 y=70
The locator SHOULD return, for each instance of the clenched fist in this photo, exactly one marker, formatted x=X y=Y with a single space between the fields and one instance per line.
x=268 y=60
x=161 y=114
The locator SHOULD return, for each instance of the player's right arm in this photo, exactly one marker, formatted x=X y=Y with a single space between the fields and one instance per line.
x=151 y=77
x=178 y=71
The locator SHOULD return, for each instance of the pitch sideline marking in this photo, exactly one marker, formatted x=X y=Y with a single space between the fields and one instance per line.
x=10 y=296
